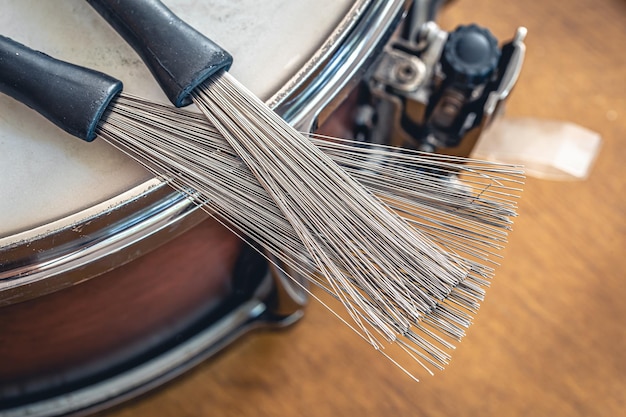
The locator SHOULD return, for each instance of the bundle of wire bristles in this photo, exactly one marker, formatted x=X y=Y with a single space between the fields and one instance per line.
x=403 y=239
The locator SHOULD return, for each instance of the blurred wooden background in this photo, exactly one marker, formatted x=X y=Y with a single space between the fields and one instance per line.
x=550 y=339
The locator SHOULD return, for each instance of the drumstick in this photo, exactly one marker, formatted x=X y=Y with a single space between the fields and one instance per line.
x=89 y=104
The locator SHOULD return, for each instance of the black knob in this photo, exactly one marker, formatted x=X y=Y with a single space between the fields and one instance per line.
x=470 y=55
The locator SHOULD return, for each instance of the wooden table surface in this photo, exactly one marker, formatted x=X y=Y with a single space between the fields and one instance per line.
x=550 y=339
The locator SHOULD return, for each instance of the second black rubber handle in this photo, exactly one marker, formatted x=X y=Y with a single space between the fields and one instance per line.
x=72 y=97
x=179 y=57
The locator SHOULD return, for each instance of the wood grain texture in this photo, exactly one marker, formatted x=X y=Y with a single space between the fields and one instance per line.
x=550 y=339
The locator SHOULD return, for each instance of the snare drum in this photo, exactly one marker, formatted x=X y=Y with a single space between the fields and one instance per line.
x=110 y=282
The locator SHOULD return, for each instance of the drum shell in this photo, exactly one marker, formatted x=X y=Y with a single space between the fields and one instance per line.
x=63 y=338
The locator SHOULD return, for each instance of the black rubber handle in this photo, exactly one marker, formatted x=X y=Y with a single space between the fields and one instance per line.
x=179 y=57
x=72 y=97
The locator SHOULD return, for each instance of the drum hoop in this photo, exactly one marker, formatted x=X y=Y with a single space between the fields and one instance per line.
x=91 y=245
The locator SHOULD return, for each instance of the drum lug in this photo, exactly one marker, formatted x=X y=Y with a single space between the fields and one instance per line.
x=282 y=291
x=436 y=91
x=287 y=301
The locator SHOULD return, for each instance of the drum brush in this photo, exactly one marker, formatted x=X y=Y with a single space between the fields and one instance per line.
x=183 y=148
